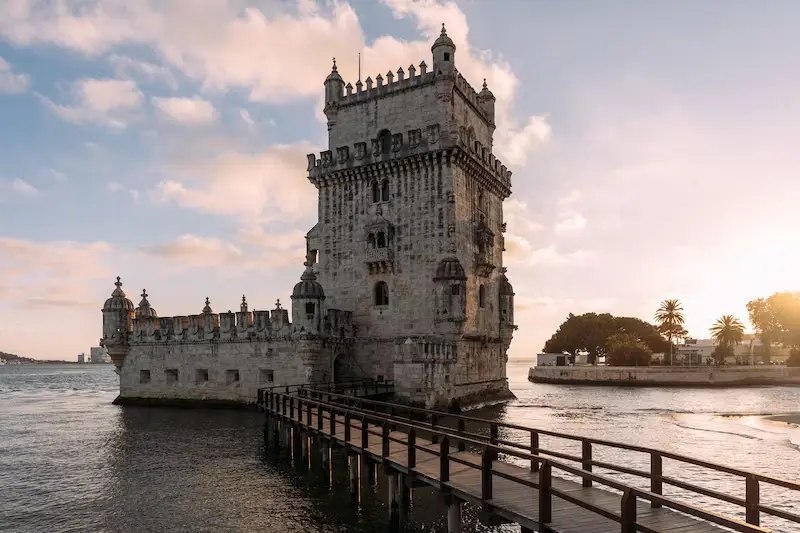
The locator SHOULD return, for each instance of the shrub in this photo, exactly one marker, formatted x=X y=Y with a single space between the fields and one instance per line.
x=626 y=349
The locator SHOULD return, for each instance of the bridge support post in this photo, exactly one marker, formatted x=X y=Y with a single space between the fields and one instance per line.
x=393 y=482
x=324 y=451
x=354 y=481
x=303 y=445
x=284 y=434
x=454 y=516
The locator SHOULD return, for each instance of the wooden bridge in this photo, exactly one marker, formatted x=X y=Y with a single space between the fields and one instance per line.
x=540 y=489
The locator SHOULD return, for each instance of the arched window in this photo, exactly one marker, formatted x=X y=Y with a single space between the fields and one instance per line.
x=481 y=296
x=381 y=241
x=376 y=192
x=310 y=308
x=385 y=139
x=381 y=293
x=371 y=240
x=385 y=191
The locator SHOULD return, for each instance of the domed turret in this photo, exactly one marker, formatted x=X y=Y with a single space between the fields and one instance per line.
x=118 y=312
x=307 y=300
x=207 y=309
x=144 y=310
x=486 y=101
x=444 y=54
x=451 y=290
x=334 y=90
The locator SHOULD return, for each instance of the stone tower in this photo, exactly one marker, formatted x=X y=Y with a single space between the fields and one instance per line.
x=410 y=228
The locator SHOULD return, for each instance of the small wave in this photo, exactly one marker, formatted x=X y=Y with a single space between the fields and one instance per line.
x=566 y=407
x=686 y=426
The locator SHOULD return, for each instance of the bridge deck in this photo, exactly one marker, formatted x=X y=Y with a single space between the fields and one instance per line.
x=514 y=496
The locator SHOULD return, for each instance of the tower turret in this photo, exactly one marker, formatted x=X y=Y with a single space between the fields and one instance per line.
x=307 y=300
x=444 y=52
x=145 y=310
x=486 y=102
x=334 y=90
x=118 y=312
x=451 y=290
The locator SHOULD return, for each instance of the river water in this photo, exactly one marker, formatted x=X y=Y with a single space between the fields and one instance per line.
x=72 y=462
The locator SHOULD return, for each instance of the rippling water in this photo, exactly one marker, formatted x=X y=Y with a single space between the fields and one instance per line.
x=72 y=462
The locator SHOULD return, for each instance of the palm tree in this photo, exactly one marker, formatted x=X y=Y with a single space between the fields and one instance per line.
x=728 y=331
x=669 y=318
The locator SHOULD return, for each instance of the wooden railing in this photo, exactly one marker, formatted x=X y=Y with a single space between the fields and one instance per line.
x=432 y=422
x=342 y=388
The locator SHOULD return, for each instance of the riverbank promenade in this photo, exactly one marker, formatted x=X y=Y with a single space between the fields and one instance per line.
x=512 y=480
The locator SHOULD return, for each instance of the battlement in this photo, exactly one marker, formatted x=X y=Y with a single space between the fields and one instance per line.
x=374 y=89
x=422 y=349
x=401 y=145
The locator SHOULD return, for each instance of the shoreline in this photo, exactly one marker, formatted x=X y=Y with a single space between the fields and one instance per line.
x=789 y=419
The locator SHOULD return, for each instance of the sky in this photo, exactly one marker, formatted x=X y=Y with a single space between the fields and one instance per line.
x=653 y=146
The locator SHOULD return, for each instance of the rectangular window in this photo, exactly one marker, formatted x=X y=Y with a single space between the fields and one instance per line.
x=144 y=376
x=380 y=378
x=231 y=376
x=455 y=289
x=446 y=56
x=172 y=375
x=266 y=375
x=201 y=376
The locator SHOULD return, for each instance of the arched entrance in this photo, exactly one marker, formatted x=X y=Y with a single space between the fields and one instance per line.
x=342 y=369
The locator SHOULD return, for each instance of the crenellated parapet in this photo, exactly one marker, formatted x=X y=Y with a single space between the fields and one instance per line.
x=397 y=146
x=382 y=86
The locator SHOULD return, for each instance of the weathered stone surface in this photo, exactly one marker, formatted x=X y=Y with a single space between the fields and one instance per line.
x=409 y=241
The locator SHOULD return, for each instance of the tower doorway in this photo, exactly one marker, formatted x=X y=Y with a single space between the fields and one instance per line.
x=342 y=369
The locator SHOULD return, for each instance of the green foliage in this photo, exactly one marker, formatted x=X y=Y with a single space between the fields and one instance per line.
x=721 y=352
x=590 y=332
x=626 y=349
x=777 y=319
x=670 y=319
x=728 y=331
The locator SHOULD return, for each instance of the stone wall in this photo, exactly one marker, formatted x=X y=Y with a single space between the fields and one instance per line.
x=666 y=376
x=220 y=372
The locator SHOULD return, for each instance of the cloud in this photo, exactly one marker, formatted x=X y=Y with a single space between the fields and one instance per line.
x=128 y=68
x=225 y=46
x=17 y=187
x=11 y=82
x=60 y=176
x=107 y=102
x=269 y=185
x=195 y=251
x=115 y=187
x=245 y=114
x=570 y=222
x=520 y=251
x=191 y=111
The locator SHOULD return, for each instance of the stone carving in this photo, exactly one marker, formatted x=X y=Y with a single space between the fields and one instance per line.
x=414 y=137
x=434 y=130
x=327 y=158
x=397 y=142
x=361 y=150
x=343 y=154
x=312 y=160
x=376 y=147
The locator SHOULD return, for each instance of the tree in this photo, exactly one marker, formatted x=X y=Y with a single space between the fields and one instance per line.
x=626 y=349
x=728 y=331
x=590 y=333
x=670 y=319
x=765 y=323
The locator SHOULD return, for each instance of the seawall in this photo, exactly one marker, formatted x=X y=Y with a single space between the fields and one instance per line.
x=665 y=376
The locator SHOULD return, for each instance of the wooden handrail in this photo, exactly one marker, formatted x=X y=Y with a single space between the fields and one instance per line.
x=488 y=456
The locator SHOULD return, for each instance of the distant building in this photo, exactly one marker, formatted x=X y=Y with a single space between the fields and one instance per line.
x=749 y=352
x=81 y=358
x=97 y=355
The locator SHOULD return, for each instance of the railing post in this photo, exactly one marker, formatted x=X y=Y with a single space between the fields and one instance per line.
x=299 y=410
x=332 y=412
x=283 y=407
x=308 y=414
x=319 y=417
x=412 y=448
x=291 y=408
x=656 y=471
x=545 y=496
x=347 y=427
x=752 y=500
x=461 y=428
x=444 y=460
x=434 y=422
x=364 y=433
x=586 y=461
x=486 y=473
x=628 y=511
x=385 y=440
x=534 y=450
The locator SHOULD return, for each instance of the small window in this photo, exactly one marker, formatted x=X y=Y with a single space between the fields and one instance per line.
x=310 y=309
x=231 y=376
x=447 y=56
x=380 y=378
x=376 y=192
x=266 y=375
x=385 y=191
x=144 y=376
x=381 y=241
x=172 y=376
x=447 y=378
x=455 y=289
x=386 y=141
x=381 y=293
x=201 y=376
x=482 y=297
x=371 y=240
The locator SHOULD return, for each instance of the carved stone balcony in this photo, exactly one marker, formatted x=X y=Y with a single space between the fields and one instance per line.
x=379 y=260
